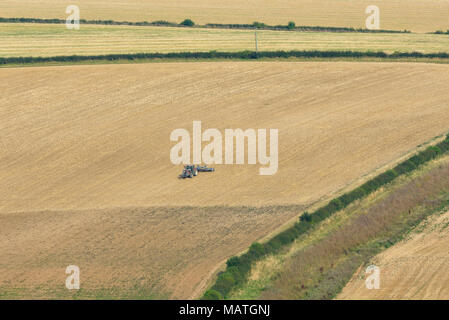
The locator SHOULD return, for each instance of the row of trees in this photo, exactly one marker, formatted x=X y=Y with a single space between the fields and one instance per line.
x=238 y=268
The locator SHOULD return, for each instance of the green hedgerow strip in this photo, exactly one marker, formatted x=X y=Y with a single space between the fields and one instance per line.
x=243 y=55
x=239 y=267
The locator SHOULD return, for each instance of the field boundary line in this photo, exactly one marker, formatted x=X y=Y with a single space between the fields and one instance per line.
x=222 y=55
x=163 y=23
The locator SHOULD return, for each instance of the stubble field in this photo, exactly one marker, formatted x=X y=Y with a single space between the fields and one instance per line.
x=415 y=268
x=87 y=179
x=415 y=15
x=33 y=39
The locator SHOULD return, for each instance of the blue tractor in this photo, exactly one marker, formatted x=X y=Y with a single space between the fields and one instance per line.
x=191 y=171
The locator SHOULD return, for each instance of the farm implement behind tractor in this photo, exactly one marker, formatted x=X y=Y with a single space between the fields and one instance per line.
x=204 y=169
x=191 y=171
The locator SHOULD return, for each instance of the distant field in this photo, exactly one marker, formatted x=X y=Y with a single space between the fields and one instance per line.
x=55 y=39
x=415 y=15
x=415 y=268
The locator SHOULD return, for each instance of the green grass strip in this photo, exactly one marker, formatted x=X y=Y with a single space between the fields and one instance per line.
x=238 y=267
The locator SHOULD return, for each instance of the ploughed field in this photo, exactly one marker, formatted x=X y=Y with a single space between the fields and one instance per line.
x=416 y=15
x=86 y=176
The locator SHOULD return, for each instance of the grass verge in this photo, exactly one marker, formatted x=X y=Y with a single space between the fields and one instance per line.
x=239 y=268
x=321 y=269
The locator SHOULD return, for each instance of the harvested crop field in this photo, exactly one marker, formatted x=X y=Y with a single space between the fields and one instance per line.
x=83 y=137
x=125 y=253
x=416 y=268
x=86 y=176
x=33 y=39
x=416 y=15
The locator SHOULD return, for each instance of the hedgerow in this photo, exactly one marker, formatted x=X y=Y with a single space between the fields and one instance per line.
x=189 y=23
x=238 y=268
x=244 y=55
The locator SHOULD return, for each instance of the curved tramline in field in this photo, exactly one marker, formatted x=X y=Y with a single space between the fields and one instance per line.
x=85 y=160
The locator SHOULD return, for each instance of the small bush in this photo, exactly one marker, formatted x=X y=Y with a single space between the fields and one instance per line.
x=305 y=217
x=385 y=178
x=224 y=283
x=404 y=167
x=320 y=214
x=257 y=24
x=233 y=261
x=188 y=23
x=237 y=274
x=287 y=236
x=256 y=250
x=291 y=25
x=273 y=245
x=335 y=205
x=212 y=295
x=355 y=194
x=302 y=227
x=444 y=145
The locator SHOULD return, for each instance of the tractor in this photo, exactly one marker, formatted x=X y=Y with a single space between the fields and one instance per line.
x=189 y=171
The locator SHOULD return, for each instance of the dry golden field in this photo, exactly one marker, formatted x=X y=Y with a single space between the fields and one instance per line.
x=415 y=15
x=86 y=176
x=55 y=40
x=125 y=252
x=415 y=268
x=98 y=136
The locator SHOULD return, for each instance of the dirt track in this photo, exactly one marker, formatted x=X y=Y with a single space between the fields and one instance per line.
x=415 y=268
x=97 y=138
